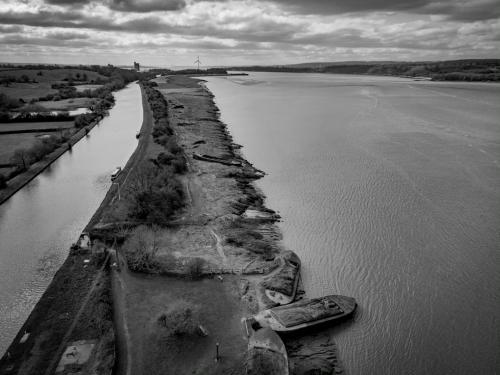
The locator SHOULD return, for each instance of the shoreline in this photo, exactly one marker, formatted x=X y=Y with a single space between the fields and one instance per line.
x=219 y=195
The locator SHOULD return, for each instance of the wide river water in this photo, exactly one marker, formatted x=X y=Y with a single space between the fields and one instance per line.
x=389 y=190
x=40 y=222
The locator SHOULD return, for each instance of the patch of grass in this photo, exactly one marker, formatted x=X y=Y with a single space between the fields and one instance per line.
x=67 y=104
x=243 y=234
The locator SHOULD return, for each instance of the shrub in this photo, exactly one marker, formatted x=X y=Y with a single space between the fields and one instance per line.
x=155 y=194
x=141 y=248
x=7 y=103
x=181 y=318
x=21 y=159
x=194 y=267
x=3 y=181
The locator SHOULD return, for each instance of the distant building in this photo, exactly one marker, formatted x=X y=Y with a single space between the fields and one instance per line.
x=136 y=66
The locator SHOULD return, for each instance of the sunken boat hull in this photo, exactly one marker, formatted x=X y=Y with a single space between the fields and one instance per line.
x=306 y=313
x=266 y=354
x=281 y=287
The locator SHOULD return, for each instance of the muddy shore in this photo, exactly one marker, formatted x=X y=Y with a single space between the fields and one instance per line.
x=218 y=225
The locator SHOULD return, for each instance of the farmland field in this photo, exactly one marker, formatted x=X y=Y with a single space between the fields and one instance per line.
x=35 y=125
x=51 y=75
x=11 y=142
x=42 y=83
x=67 y=104
x=87 y=87
x=27 y=91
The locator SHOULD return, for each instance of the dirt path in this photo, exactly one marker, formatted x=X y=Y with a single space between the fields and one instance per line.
x=218 y=245
x=123 y=342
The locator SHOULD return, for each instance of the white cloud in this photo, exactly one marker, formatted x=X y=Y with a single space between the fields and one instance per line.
x=246 y=31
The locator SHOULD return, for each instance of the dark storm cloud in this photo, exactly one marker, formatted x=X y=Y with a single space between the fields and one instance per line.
x=10 y=29
x=18 y=40
x=75 y=3
x=471 y=10
x=78 y=20
x=62 y=35
x=257 y=30
x=137 y=6
x=146 y=5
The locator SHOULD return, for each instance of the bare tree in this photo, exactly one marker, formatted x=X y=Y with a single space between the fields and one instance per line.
x=21 y=158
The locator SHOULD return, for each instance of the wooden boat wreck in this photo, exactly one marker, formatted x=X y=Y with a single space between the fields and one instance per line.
x=215 y=159
x=266 y=354
x=305 y=313
x=281 y=286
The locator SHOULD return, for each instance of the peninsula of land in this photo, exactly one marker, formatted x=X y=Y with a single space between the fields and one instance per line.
x=171 y=262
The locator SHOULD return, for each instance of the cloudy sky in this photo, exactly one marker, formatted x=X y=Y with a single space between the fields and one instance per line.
x=226 y=32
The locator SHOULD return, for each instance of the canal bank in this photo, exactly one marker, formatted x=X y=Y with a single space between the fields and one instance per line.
x=40 y=222
x=77 y=304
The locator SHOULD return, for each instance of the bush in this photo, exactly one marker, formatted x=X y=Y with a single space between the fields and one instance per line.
x=155 y=194
x=3 y=181
x=182 y=318
x=194 y=267
x=141 y=248
x=8 y=103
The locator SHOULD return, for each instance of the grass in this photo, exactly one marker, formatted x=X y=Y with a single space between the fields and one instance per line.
x=11 y=142
x=36 y=125
x=158 y=352
x=87 y=87
x=27 y=91
x=49 y=321
x=67 y=104
x=51 y=75
x=243 y=233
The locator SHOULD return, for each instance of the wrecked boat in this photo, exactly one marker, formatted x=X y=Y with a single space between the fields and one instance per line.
x=305 y=313
x=266 y=354
x=281 y=286
x=215 y=159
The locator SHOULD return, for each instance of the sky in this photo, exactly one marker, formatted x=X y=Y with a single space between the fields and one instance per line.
x=244 y=32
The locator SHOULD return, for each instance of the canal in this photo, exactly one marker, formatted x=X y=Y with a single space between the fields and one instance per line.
x=40 y=222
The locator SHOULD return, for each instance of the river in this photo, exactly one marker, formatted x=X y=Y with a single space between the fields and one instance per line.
x=41 y=221
x=389 y=192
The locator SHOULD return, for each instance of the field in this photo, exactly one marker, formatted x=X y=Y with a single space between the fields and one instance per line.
x=27 y=91
x=51 y=75
x=36 y=125
x=87 y=87
x=42 y=85
x=67 y=104
x=11 y=142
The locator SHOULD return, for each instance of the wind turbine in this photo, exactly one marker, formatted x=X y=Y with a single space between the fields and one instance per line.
x=198 y=62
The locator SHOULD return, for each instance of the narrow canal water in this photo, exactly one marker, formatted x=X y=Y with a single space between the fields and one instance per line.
x=40 y=222
x=389 y=192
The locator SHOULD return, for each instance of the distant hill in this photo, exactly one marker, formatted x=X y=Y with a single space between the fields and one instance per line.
x=453 y=70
